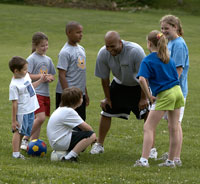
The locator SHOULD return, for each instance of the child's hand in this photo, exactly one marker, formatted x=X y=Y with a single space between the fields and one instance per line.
x=43 y=78
x=15 y=126
x=50 y=78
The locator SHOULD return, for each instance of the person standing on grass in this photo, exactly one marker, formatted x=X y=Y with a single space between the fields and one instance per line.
x=40 y=64
x=159 y=71
x=172 y=29
x=60 y=128
x=124 y=94
x=72 y=66
x=24 y=102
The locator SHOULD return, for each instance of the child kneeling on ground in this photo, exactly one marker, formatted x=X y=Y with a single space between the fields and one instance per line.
x=62 y=130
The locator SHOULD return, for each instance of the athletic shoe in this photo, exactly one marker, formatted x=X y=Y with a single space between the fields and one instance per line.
x=164 y=156
x=97 y=148
x=24 y=144
x=20 y=157
x=72 y=159
x=178 y=163
x=153 y=153
x=167 y=163
x=138 y=163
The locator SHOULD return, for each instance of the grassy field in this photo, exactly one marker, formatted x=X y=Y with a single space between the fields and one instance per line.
x=124 y=142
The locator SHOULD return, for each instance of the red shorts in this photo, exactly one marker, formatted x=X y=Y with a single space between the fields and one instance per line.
x=44 y=102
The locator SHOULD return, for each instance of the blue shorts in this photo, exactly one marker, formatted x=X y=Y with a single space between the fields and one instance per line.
x=25 y=123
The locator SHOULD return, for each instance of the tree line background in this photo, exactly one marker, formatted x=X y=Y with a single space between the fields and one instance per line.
x=191 y=6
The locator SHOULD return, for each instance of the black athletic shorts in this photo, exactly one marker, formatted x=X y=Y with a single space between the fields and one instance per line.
x=77 y=136
x=124 y=100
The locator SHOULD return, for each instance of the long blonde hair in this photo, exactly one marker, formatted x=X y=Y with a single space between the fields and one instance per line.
x=173 y=21
x=160 y=42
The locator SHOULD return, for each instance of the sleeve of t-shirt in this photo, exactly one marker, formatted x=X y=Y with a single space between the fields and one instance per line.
x=63 y=60
x=52 y=68
x=102 y=69
x=73 y=119
x=30 y=61
x=179 y=56
x=137 y=56
x=13 y=93
x=144 y=70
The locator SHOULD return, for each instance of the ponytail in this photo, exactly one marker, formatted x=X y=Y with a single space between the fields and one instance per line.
x=160 y=42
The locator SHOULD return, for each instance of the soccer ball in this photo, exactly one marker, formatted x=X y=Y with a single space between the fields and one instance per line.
x=57 y=155
x=37 y=147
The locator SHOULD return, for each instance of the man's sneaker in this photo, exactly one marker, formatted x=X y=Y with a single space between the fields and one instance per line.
x=24 y=144
x=164 y=156
x=72 y=159
x=20 y=157
x=178 y=163
x=153 y=153
x=97 y=148
x=167 y=163
x=138 y=163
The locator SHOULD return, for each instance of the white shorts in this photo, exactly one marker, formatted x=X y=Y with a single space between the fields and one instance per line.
x=182 y=109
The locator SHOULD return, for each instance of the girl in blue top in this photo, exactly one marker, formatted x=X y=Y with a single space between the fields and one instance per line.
x=159 y=70
x=172 y=29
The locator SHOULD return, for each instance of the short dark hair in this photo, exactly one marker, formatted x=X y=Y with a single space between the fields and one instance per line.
x=17 y=62
x=71 y=26
x=71 y=97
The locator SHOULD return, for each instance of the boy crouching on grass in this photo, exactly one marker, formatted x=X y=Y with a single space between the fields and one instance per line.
x=24 y=102
x=60 y=129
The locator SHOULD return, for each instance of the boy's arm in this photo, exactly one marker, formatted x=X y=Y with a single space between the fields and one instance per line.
x=35 y=77
x=87 y=100
x=15 y=124
x=43 y=78
x=62 y=78
x=85 y=127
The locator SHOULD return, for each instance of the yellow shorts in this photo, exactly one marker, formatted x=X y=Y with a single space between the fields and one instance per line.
x=169 y=99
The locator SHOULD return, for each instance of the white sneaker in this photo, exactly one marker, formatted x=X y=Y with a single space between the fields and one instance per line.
x=24 y=144
x=167 y=163
x=153 y=153
x=178 y=163
x=20 y=157
x=97 y=148
x=138 y=163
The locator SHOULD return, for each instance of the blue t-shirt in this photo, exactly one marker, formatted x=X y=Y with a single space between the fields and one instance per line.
x=179 y=52
x=160 y=76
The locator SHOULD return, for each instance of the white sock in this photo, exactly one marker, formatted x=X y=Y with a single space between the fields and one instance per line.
x=176 y=159
x=70 y=155
x=144 y=160
x=16 y=154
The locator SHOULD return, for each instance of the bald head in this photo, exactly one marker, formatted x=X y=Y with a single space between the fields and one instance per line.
x=113 y=42
x=112 y=35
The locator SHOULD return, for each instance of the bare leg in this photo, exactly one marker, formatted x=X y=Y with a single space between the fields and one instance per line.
x=173 y=117
x=149 y=128
x=39 y=120
x=180 y=135
x=84 y=143
x=104 y=127
x=16 y=141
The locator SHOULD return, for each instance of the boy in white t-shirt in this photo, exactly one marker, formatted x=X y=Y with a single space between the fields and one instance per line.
x=24 y=102
x=64 y=119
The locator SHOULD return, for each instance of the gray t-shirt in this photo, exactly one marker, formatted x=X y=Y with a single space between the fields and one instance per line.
x=38 y=64
x=72 y=59
x=124 y=66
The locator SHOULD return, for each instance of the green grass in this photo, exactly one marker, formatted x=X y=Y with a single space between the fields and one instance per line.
x=123 y=144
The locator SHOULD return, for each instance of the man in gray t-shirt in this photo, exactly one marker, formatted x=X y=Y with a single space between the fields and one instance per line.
x=124 y=94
